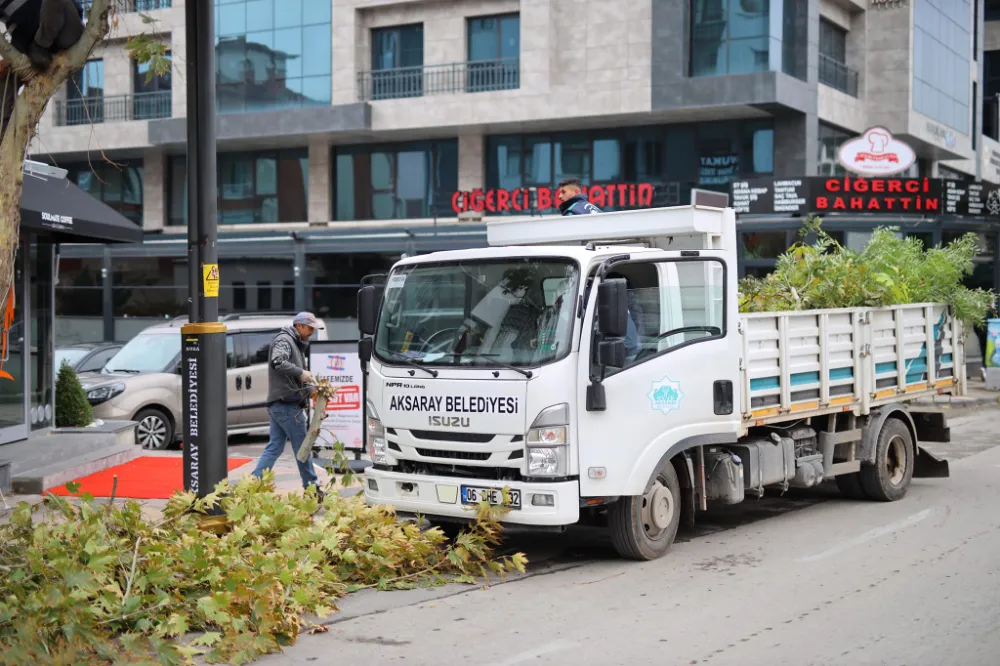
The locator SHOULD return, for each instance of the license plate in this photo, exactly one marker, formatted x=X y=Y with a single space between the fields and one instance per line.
x=475 y=495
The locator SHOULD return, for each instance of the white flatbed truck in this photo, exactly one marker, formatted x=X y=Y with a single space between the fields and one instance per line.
x=637 y=403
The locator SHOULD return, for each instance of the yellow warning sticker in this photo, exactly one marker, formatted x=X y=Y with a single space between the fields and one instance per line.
x=211 y=275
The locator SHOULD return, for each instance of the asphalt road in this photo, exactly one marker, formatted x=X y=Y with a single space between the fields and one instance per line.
x=809 y=579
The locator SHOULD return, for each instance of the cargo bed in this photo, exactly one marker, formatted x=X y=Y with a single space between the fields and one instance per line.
x=802 y=364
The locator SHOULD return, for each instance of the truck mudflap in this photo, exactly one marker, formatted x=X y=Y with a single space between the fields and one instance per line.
x=929 y=466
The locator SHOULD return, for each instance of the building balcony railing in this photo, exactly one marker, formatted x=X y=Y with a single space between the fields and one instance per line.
x=838 y=75
x=114 y=108
x=134 y=5
x=468 y=77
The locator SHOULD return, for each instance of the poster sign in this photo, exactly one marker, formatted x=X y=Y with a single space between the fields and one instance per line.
x=339 y=363
x=876 y=153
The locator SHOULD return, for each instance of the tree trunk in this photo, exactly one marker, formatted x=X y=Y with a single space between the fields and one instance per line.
x=315 y=425
x=38 y=88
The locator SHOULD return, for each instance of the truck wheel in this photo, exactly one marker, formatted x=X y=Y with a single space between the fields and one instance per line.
x=850 y=486
x=643 y=527
x=888 y=478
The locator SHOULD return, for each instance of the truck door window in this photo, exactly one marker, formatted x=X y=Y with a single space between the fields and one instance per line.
x=671 y=304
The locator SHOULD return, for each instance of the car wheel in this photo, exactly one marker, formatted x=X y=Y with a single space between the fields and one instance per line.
x=154 y=430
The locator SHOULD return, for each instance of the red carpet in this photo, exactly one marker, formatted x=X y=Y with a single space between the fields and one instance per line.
x=148 y=477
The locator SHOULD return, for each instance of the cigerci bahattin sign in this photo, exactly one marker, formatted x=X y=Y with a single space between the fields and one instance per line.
x=876 y=153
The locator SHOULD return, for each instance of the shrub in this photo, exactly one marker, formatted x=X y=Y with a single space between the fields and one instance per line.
x=889 y=271
x=102 y=584
x=72 y=408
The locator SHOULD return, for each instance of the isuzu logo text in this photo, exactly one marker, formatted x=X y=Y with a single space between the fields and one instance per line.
x=449 y=421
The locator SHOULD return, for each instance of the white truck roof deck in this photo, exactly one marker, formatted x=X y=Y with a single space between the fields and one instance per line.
x=693 y=227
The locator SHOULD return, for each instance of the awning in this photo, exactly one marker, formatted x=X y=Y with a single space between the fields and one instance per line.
x=59 y=207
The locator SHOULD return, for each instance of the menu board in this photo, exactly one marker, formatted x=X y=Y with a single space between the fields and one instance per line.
x=850 y=194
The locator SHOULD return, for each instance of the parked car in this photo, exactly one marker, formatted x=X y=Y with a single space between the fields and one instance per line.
x=142 y=382
x=86 y=356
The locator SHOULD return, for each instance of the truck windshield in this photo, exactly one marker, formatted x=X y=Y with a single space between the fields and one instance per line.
x=517 y=311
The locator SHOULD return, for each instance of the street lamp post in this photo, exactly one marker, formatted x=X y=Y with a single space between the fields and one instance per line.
x=203 y=338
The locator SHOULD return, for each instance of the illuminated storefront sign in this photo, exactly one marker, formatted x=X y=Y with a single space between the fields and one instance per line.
x=546 y=200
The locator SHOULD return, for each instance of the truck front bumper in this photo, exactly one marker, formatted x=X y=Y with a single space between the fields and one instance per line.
x=441 y=496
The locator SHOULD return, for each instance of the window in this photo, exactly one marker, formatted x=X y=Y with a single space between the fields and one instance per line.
x=830 y=140
x=729 y=37
x=494 y=53
x=671 y=304
x=288 y=295
x=230 y=351
x=517 y=311
x=117 y=184
x=258 y=343
x=941 y=70
x=263 y=296
x=991 y=10
x=763 y=244
x=152 y=97
x=85 y=95
x=258 y=187
x=397 y=62
x=833 y=69
x=991 y=91
x=272 y=54
x=98 y=360
x=395 y=181
x=239 y=296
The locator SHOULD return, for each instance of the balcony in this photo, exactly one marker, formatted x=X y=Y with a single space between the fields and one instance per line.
x=113 y=108
x=837 y=75
x=463 y=77
x=134 y=5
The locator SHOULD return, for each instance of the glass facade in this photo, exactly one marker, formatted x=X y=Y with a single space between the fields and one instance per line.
x=42 y=335
x=333 y=280
x=941 y=53
x=272 y=54
x=395 y=181
x=152 y=92
x=254 y=187
x=118 y=184
x=747 y=36
x=673 y=158
x=830 y=140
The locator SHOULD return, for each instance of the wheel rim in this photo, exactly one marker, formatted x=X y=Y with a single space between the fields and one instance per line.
x=152 y=432
x=657 y=510
x=895 y=460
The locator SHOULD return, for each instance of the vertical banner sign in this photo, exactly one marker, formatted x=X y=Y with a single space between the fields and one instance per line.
x=204 y=397
x=339 y=363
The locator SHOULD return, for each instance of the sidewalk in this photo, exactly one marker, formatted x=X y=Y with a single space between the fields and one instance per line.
x=975 y=397
x=286 y=480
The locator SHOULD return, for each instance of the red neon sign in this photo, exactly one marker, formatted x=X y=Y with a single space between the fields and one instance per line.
x=614 y=195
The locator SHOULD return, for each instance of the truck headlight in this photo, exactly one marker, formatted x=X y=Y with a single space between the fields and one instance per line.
x=96 y=396
x=376 y=436
x=547 y=443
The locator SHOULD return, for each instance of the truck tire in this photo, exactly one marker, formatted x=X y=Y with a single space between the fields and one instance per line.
x=643 y=527
x=850 y=486
x=888 y=478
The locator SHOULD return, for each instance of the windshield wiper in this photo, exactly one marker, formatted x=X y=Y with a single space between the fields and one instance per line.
x=413 y=364
x=500 y=364
x=126 y=371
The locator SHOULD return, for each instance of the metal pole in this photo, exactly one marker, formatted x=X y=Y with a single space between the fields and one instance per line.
x=203 y=338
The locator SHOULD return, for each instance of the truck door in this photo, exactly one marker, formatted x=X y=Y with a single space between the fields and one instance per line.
x=677 y=387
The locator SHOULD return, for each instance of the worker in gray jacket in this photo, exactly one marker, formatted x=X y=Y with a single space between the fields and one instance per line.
x=289 y=391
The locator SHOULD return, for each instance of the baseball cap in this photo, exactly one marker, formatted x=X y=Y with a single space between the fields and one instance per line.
x=308 y=319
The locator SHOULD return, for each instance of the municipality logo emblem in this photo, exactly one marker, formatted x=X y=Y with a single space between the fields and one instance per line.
x=666 y=395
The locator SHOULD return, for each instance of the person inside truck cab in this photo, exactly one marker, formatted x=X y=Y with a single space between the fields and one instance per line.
x=573 y=201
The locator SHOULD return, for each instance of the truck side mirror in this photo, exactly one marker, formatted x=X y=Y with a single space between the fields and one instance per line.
x=611 y=353
x=365 y=351
x=369 y=299
x=612 y=308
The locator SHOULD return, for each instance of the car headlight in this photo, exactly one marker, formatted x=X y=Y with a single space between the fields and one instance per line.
x=547 y=443
x=376 y=436
x=96 y=396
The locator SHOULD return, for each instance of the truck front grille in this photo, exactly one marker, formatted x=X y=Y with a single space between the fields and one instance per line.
x=454 y=455
x=440 y=436
x=444 y=469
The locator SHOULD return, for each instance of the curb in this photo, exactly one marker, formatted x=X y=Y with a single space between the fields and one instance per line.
x=967 y=403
